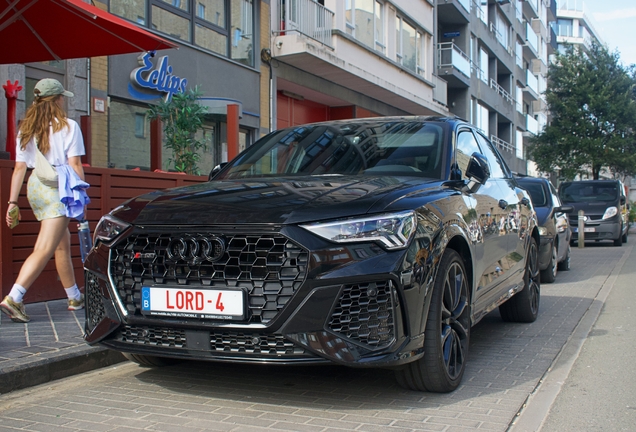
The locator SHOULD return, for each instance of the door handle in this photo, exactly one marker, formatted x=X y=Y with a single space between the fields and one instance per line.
x=503 y=204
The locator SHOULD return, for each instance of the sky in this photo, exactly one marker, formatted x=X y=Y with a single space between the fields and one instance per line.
x=615 y=21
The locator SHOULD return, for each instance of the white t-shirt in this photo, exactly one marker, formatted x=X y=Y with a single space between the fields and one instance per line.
x=64 y=144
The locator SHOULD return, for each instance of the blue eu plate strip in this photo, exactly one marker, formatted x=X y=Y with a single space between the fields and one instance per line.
x=145 y=298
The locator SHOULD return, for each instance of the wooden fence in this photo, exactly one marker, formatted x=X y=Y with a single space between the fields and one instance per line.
x=109 y=188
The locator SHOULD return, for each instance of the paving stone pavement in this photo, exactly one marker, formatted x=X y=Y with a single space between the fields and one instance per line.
x=507 y=362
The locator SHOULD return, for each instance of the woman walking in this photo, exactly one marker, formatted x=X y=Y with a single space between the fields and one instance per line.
x=60 y=141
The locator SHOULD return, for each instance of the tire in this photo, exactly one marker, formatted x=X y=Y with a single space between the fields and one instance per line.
x=447 y=333
x=150 y=361
x=524 y=306
x=625 y=236
x=565 y=264
x=549 y=274
x=619 y=241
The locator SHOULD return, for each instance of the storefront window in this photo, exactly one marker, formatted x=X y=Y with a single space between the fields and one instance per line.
x=210 y=39
x=134 y=10
x=242 y=31
x=128 y=150
x=170 y=23
x=225 y=27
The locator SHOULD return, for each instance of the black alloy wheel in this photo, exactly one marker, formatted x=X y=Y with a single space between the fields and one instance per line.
x=524 y=305
x=447 y=332
x=549 y=274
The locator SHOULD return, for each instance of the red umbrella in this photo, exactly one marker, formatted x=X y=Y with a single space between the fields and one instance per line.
x=40 y=30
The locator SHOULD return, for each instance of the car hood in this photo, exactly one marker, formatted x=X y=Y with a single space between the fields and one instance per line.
x=277 y=201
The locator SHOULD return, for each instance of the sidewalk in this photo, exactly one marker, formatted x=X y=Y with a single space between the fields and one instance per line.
x=49 y=347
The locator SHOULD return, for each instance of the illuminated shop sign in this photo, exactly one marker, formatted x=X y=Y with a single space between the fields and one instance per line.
x=148 y=79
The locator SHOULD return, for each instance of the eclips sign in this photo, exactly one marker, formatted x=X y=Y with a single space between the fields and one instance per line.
x=158 y=79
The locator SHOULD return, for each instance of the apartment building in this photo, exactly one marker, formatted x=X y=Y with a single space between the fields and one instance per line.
x=334 y=59
x=494 y=56
x=574 y=25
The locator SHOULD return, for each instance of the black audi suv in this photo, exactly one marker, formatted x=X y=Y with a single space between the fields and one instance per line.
x=371 y=242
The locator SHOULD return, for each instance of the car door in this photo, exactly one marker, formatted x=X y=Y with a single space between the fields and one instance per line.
x=490 y=253
x=516 y=214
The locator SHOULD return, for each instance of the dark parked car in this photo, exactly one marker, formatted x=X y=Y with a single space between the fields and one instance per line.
x=554 y=226
x=368 y=242
x=605 y=208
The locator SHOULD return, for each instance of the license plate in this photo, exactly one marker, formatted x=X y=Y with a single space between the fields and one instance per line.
x=589 y=229
x=192 y=303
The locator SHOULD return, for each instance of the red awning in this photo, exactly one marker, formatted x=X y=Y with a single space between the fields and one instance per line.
x=41 y=30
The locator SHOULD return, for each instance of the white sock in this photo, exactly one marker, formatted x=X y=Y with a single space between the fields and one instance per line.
x=73 y=292
x=17 y=292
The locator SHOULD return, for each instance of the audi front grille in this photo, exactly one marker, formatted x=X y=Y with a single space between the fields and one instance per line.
x=270 y=267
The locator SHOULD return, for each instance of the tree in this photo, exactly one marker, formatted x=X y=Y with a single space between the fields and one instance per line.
x=182 y=118
x=593 y=116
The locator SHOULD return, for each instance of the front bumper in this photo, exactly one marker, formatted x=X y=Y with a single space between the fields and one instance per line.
x=310 y=303
x=598 y=229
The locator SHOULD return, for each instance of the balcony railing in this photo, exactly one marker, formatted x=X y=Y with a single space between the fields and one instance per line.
x=532 y=82
x=501 y=144
x=502 y=92
x=571 y=5
x=306 y=17
x=465 y=4
x=532 y=125
x=479 y=11
x=451 y=56
x=532 y=38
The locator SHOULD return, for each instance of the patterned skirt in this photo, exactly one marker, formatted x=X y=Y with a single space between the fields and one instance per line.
x=44 y=200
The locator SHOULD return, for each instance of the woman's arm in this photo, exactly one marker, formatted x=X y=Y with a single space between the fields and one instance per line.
x=16 y=184
x=76 y=163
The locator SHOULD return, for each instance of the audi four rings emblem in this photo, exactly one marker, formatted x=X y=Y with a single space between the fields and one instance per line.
x=197 y=249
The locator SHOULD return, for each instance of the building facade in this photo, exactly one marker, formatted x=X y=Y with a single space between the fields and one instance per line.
x=494 y=55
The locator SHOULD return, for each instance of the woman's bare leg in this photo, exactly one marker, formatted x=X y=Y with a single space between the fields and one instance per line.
x=51 y=233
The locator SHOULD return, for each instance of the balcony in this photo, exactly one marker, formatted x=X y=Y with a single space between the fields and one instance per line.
x=552 y=11
x=502 y=145
x=531 y=8
x=453 y=11
x=532 y=85
x=531 y=47
x=307 y=37
x=532 y=126
x=501 y=91
x=454 y=65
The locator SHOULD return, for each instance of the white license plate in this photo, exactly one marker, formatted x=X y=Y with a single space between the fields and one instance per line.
x=192 y=303
x=589 y=229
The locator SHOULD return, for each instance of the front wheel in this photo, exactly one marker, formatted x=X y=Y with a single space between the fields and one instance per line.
x=447 y=332
x=565 y=264
x=619 y=240
x=549 y=274
x=524 y=306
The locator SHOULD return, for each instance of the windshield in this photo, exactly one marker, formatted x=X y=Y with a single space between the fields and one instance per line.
x=368 y=147
x=537 y=193
x=588 y=191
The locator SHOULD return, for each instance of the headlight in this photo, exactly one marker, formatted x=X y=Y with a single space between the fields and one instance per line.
x=108 y=229
x=543 y=231
x=610 y=212
x=393 y=231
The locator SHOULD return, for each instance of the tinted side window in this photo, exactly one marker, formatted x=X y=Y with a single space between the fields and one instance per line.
x=466 y=146
x=497 y=166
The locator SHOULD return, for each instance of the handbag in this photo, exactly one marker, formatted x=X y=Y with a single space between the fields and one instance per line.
x=45 y=172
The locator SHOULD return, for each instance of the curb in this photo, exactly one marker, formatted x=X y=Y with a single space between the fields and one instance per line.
x=62 y=364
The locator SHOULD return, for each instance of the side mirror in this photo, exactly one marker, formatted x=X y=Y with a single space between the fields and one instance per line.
x=564 y=209
x=478 y=171
x=623 y=200
x=217 y=169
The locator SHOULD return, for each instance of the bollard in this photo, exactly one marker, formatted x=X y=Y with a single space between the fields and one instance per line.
x=581 y=240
